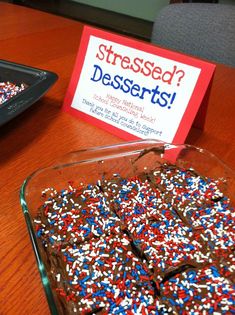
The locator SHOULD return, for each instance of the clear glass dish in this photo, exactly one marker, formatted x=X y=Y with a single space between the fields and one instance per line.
x=128 y=159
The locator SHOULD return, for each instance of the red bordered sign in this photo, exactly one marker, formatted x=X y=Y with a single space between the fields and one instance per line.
x=136 y=90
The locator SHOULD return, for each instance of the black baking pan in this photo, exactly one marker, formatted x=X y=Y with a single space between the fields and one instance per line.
x=37 y=82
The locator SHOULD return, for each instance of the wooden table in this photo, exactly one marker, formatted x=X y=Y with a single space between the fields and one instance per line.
x=37 y=137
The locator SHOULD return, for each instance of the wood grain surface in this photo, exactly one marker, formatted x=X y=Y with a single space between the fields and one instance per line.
x=43 y=133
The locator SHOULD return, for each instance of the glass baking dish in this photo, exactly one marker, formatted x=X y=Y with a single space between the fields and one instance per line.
x=127 y=159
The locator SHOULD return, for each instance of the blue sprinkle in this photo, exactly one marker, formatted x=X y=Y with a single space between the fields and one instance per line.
x=39 y=232
x=173 y=302
x=85 y=279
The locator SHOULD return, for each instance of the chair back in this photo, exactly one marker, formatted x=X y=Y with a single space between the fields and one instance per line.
x=204 y=30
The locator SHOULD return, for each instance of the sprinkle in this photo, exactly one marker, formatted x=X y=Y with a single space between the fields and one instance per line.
x=9 y=89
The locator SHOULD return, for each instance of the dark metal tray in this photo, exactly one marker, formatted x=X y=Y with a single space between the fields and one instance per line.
x=38 y=82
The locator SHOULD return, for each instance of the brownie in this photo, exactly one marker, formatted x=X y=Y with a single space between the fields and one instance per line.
x=159 y=242
x=104 y=276
x=200 y=291
x=75 y=215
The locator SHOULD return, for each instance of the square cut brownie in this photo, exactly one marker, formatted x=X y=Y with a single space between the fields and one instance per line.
x=167 y=245
x=75 y=215
x=200 y=291
x=104 y=276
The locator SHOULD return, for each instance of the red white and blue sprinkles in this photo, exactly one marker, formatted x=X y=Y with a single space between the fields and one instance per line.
x=108 y=277
x=200 y=291
x=9 y=89
x=161 y=242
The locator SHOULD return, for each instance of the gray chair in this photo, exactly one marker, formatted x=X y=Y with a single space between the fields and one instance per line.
x=204 y=30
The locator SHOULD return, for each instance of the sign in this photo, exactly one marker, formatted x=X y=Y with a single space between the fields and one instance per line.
x=135 y=89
